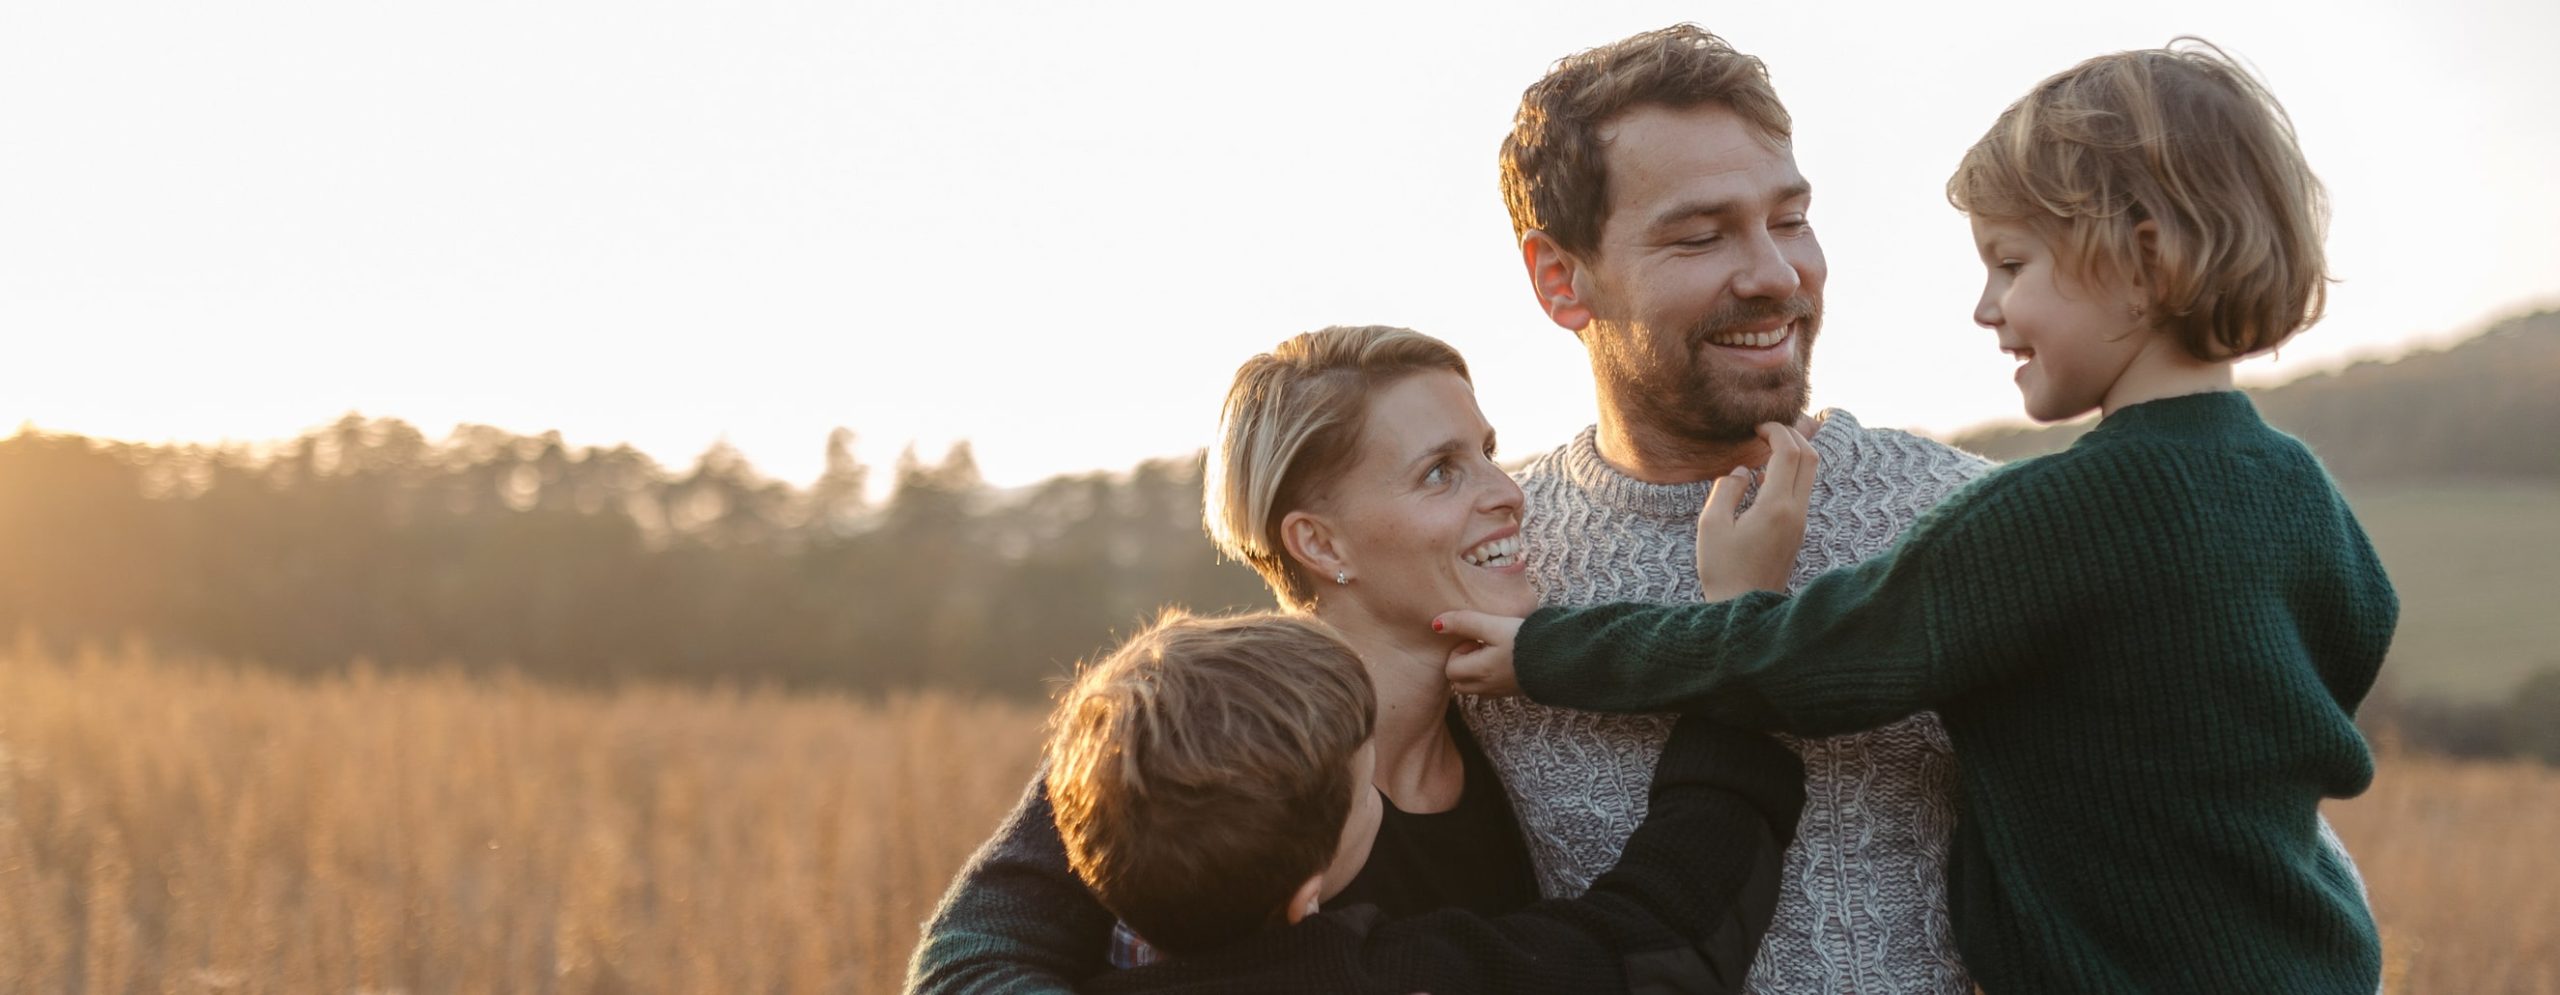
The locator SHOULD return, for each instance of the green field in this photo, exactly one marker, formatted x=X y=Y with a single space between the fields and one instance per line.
x=2478 y=569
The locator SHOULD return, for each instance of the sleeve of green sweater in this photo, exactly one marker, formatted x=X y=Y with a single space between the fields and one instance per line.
x=1982 y=585
x=1017 y=919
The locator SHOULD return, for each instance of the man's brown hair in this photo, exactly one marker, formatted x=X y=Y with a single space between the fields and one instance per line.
x=1202 y=771
x=2182 y=137
x=1555 y=177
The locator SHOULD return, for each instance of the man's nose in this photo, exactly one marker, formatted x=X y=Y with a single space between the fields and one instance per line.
x=1766 y=272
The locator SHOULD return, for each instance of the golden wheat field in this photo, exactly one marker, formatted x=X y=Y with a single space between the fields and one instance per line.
x=179 y=826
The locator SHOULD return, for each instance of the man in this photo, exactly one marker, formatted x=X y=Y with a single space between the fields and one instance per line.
x=1663 y=221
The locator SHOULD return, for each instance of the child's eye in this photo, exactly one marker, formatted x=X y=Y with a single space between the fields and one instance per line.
x=2010 y=265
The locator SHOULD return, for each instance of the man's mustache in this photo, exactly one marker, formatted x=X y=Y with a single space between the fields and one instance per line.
x=1751 y=312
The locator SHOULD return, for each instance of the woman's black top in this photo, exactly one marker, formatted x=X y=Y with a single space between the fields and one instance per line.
x=1470 y=857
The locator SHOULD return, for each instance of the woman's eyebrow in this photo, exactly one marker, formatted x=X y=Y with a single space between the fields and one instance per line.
x=1451 y=447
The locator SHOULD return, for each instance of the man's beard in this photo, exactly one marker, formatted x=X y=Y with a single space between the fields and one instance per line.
x=1687 y=397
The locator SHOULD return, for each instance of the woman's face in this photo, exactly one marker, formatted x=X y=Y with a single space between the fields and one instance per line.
x=1424 y=522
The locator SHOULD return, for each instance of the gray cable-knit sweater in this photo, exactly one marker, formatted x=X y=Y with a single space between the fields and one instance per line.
x=1863 y=908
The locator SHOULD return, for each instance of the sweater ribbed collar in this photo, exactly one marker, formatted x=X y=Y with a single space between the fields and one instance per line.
x=1679 y=503
x=2211 y=411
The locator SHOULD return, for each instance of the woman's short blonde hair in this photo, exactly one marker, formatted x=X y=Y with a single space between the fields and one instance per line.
x=2182 y=137
x=1291 y=427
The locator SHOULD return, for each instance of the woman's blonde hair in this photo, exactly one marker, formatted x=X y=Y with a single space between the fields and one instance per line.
x=2182 y=137
x=1291 y=427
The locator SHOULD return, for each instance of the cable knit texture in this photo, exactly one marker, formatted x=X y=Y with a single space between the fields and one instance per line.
x=1863 y=908
x=2150 y=646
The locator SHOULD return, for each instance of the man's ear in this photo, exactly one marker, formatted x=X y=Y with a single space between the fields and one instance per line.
x=1557 y=278
x=1309 y=539
x=1308 y=899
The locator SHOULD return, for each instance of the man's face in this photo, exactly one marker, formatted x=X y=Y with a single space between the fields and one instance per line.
x=1707 y=290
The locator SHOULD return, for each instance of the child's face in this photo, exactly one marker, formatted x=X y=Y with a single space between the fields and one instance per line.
x=2073 y=339
x=1360 y=831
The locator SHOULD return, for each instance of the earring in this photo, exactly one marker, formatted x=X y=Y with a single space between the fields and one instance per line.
x=2133 y=311
x=1342 y=577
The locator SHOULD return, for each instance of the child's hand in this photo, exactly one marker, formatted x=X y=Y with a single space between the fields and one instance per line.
x=1481 y=662
x=1755 y=550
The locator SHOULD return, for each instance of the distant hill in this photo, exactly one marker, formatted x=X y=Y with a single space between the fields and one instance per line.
x=2452 y=460
x=2487 y=408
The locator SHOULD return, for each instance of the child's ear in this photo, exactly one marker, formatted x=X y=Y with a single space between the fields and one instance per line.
x=1309 y=539
x=2146 y=252
x=1308 y=899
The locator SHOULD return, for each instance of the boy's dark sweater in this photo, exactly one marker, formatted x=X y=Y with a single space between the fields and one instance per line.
x=2147 y=649
x=1683 y=911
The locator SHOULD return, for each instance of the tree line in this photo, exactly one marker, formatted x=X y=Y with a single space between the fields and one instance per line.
x=366 y=540
x=487 y=549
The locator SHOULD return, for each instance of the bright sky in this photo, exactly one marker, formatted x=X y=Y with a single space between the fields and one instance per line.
x=1055 y=228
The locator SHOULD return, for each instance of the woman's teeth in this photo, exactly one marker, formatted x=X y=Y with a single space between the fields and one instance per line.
x=1498 y=552
x=1752 y=340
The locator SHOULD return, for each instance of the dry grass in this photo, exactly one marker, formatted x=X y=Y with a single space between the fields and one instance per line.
x=2463 y=861
x=181 y=827
x=173 y=826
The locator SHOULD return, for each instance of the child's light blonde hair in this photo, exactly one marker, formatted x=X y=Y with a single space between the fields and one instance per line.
x=2182 y=137
x=1202 y=771
x=1291 y=427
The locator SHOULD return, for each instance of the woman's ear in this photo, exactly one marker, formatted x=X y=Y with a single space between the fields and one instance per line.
x=1310 y=541
x=1307 y=900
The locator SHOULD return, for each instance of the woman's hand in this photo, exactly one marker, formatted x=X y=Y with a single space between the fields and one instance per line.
x=1742 y=552
x=1481 y=661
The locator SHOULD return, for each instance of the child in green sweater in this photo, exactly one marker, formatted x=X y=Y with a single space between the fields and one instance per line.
x=2148 y=648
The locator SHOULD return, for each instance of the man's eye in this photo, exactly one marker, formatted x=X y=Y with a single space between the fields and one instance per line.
x=1794 y=225
x=1699 y=242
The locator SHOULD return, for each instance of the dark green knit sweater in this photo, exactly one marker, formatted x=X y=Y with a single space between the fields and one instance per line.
x=2148 y=650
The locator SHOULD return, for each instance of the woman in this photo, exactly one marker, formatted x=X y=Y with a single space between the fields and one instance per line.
x=1353 y=470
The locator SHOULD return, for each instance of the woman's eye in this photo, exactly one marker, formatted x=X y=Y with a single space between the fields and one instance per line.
x=1437 y=475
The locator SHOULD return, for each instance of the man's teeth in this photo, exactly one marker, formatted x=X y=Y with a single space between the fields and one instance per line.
x=1499 y=552
x=1752 y=340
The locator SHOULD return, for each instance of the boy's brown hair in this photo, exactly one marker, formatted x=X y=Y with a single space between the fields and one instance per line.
x=1555 y=174
x=2182 y=137
x=1202 y=771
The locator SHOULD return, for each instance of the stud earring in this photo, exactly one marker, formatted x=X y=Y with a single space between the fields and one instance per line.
x=1342 y=577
